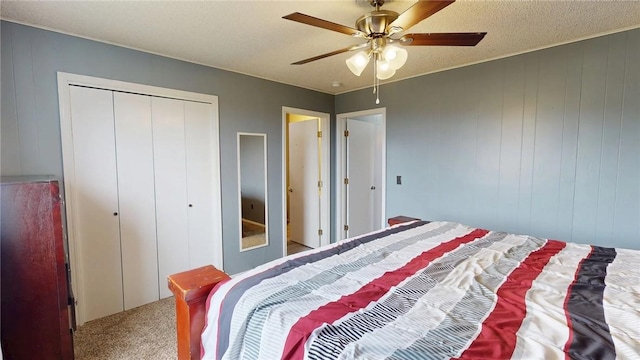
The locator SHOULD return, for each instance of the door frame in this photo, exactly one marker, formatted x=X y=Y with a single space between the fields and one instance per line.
x=341 y=123
x=65 y=80
x=325 y=199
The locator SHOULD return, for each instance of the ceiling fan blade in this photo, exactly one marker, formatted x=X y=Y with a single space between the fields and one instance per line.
x=354 y=47
x=418 y=12
x=442 y=39
x=336 y=52
x=324 y=24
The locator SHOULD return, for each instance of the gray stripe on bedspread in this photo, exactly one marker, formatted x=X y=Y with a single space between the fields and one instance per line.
x=591 y=335
x=333 y=339
x=256 y=319
x=461 y=324
x=232 y=297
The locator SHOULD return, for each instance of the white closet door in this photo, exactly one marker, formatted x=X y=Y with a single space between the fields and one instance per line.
x=199 y=154
x=134 y=149
x=95 y=211
x=171 y=188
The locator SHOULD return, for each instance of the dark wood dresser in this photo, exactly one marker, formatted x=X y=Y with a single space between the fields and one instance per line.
x=34 y=316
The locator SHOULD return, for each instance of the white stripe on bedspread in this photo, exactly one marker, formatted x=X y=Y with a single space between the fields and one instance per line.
x=539 y=335
x=621 y=299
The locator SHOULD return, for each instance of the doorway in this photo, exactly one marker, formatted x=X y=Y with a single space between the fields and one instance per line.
x=360 y=172
x=305 y=156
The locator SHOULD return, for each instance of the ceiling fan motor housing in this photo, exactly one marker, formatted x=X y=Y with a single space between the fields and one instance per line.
x=376 y=23
x=376 y=3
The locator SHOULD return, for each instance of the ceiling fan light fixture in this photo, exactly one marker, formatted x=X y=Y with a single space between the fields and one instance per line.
x=396 y=56
x=384 y=70
x=358 y=62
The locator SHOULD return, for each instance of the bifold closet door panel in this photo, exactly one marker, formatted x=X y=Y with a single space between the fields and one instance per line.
x=134 y=151
x=171 y=188
x=95 y=184
x=198 y=134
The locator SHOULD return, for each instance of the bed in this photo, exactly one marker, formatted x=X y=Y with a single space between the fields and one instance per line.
x=419 y=290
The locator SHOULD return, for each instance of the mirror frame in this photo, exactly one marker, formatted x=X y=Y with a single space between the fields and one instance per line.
x=266 y=201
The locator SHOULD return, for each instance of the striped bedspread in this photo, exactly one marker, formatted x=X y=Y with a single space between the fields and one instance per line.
x=435 y=290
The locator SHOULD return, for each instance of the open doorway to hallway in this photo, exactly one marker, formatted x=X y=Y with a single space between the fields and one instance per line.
x=306 y=203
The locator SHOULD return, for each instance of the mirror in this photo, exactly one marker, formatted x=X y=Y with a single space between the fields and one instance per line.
x=252 y=190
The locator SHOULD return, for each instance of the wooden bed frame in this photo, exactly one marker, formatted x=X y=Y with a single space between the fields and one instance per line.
x=191 y=289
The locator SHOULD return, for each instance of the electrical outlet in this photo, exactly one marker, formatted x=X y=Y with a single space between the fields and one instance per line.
x=399 y=180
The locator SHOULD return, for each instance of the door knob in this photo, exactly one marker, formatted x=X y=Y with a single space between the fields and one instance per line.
x=115 y=214
x=290 y=190
x=190 y=205
x=373 y=187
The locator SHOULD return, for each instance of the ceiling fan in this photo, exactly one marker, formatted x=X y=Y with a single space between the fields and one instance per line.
x=378 y=27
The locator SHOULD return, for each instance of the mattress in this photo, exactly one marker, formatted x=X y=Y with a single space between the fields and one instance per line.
x=436 y=290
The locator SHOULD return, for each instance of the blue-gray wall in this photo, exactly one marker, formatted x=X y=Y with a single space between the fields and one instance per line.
x=546 y=143
x=30 y=139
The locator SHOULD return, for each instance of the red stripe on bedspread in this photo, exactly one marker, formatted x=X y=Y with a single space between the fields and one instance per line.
x=329 y=313
x=497 y=339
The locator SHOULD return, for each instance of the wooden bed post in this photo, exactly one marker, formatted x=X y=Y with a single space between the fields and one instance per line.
x=191 y=289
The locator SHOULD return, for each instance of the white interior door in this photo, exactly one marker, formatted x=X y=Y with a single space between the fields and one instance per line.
x=171 y=188
x=350 y=212
x=95 y=211
x=136 y=193
x=304 y=174
x=361 y=188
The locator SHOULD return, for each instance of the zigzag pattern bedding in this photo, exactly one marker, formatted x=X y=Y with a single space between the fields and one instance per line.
x=435 y=290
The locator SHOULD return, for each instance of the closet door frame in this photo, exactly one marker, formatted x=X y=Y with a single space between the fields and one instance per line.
x=65 y=81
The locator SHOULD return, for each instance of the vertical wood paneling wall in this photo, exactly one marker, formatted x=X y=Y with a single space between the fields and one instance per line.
x=545 y=143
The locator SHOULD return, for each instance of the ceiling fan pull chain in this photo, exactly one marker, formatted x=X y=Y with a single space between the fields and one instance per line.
x=376 y=81
x=377 y=91
x=375 y=70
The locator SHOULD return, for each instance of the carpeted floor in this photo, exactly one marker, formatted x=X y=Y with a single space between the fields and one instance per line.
x=146 y=332
x=253 y=234
x=294 y=248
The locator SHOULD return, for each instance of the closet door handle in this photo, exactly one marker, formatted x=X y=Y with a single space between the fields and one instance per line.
x=115 y=214
x=190 y=205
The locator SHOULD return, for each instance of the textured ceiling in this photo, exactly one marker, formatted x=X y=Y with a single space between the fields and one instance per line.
x=251 y=37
